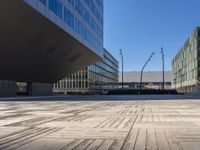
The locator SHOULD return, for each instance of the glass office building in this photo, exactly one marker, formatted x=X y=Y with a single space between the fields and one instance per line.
x=186 y=65
x=97 y=78
x=53 y=37
x=83 y=19
x=43 y=41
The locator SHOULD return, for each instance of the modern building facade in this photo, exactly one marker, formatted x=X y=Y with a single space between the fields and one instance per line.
x=186 y=65
x=97 y=78
x=43 y=41
x=151 y=80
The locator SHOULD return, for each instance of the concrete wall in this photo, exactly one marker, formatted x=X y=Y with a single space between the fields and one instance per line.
x=7 y=88
x=191 y=90
x=195 y=91
x=40 y=89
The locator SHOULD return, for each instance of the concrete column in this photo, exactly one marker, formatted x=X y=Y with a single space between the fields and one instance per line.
x=40 y=89
x=7 y=88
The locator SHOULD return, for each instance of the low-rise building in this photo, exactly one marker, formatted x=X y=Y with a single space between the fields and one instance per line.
x=186 y=65
x=151 y=80
x=97 y=78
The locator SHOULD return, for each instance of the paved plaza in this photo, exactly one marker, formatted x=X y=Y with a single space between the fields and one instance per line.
x=100 y=125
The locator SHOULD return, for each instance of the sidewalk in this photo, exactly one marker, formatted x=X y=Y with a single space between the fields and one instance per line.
x=100 y=97
x=100 y=125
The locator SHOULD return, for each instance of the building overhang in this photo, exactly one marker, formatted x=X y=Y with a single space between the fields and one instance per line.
x=34 y=49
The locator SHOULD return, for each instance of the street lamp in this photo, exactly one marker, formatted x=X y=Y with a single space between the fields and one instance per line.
x=141 y=75
x=122 y=68
x=163 y=68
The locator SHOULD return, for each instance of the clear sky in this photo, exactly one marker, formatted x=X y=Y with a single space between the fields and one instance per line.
x=140 y=27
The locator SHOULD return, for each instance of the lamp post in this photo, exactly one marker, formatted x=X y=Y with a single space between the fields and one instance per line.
x=122 y=68
x=163 y=68
x=141 y=75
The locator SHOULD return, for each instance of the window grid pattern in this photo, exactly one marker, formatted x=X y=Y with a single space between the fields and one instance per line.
x=81 y=20
x=103 y=75
x=185 y=65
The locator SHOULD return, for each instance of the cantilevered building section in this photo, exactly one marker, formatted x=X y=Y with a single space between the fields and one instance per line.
x=46 y=40
x=186 y=65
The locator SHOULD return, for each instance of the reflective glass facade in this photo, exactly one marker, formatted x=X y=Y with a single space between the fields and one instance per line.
x=97 y=78
x=82 y=19
x=186 y=64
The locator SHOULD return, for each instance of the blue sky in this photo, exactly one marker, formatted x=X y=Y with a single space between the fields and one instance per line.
x=140 y=27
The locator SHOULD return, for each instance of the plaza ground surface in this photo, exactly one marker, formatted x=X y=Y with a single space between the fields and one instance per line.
x=100 y=122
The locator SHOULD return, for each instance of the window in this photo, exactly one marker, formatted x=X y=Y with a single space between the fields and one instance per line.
x=56 y=7
x=68 y=18
x=43 y=1
x=79 y=7
x=71 y=2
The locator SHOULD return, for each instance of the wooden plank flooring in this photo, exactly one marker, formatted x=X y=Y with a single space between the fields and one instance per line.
x=100 y=125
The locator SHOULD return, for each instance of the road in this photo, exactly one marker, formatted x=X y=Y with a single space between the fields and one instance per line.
x=103 y=125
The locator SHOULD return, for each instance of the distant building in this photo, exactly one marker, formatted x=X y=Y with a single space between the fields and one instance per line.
x=186 y=65
x=151 y=80
x=97 y=78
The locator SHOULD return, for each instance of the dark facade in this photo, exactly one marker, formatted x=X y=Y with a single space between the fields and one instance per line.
x=97 y=78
